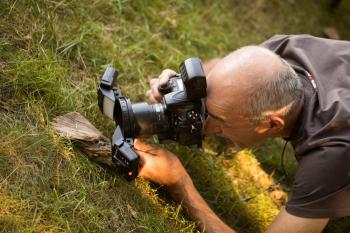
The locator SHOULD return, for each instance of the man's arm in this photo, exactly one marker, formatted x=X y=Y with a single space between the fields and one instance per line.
x=287 y=223
x=207 y=219
x=197 y=208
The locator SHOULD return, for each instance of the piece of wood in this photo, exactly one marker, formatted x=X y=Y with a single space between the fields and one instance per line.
x=86 y=137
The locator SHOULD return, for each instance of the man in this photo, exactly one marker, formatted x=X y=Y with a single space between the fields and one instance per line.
x=295 y=87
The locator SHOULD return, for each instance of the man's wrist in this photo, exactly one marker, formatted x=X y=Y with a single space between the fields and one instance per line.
x=180 y=189
x=197 y=209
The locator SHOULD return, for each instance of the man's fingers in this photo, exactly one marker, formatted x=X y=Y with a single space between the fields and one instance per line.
x=151 y=97
x=143 y=161
x=148 y=93
x=153 y=81
x=155 y=93
x=153 y=100
x=146 y=165
x=139 y=144
x=165 y=76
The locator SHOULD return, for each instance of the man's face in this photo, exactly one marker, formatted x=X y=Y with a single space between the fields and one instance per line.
x=226 y=123
x=228 y=85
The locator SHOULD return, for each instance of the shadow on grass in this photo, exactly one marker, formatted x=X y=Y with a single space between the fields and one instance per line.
x=217 y=190
x=270 y=155
x=244 y=206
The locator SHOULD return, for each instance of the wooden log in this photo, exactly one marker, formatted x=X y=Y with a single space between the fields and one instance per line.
x=86 y=137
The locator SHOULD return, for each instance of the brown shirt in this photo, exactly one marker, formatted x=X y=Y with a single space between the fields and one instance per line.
x=321 y=137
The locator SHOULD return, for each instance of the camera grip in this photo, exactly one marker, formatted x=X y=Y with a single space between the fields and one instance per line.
x=123 y=155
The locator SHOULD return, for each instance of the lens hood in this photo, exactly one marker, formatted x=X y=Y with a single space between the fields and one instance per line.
x=124 y=116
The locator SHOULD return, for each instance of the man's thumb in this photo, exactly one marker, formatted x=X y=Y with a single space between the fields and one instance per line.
x=140 y=146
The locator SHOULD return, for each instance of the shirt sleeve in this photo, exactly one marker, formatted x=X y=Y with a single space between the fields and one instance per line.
x=322 y=184
x=277 y=43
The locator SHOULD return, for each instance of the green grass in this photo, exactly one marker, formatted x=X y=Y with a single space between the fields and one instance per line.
x=52 y=54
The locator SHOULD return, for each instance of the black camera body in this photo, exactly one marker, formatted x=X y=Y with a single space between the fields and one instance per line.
x=178 y=117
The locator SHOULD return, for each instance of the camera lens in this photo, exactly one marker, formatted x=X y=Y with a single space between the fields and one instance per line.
x=140 y=118
x=150 y=119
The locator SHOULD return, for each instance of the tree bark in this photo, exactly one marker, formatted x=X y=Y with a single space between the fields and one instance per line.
x=86 y=137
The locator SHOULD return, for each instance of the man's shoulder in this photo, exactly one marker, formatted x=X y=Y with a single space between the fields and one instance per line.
x=280 y=42
x=280 y=38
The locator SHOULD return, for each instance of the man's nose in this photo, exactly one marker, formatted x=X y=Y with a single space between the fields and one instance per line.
x=211 y=126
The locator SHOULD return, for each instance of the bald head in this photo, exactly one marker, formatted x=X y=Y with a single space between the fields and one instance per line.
x=243 y=70
x=252 y=78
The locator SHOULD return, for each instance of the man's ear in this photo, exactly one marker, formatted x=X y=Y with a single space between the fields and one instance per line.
x=271 y=126
x=277 y=124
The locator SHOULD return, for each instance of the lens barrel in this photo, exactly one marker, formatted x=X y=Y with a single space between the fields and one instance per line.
x=141 y=119
x=150 y=119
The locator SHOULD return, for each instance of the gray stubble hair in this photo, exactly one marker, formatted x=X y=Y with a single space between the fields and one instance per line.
x=282 y=90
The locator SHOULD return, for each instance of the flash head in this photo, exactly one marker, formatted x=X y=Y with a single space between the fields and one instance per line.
x=107 y=93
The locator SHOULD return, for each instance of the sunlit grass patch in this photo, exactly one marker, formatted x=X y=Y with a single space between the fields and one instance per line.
x=235 y=186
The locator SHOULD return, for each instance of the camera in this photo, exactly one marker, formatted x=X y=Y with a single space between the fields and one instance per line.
x=178 y=117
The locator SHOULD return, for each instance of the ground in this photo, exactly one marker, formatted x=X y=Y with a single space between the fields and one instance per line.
x=52 y=54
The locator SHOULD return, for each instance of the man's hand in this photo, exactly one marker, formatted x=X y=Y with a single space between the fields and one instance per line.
x=160 y=166
x=153 y=94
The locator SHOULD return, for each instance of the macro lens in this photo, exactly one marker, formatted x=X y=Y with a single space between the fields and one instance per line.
x=140 y=118
x=150 y=119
